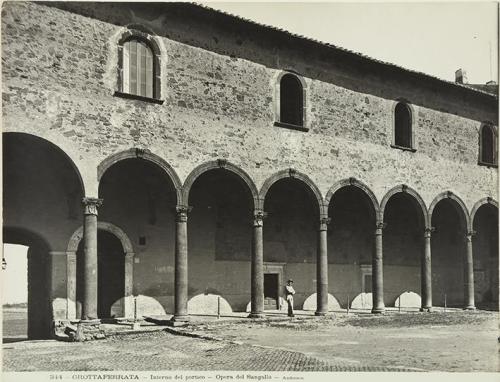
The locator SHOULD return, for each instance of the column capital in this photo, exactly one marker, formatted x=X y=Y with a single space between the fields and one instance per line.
x=380 y=225
x=91 y=205
x=182 y=213
x=470 y=234
x=428 y=231
x=258 y=218
x=323 y=223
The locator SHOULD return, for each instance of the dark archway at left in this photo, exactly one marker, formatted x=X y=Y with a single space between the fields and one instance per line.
x=39 y=315
x=42 y=193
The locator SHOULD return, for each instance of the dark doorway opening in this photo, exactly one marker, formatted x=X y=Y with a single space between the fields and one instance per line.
x=271 y=291
x=110 y=276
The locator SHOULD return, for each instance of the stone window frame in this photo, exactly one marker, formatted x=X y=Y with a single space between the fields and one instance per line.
x=277 y=101
x=410 y=107
x=494 y=130
x=149 y=40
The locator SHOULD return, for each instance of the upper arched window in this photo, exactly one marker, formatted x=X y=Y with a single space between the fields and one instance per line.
x=403 y=137
x=291 y=101
x=487 y=144
x=139 y=66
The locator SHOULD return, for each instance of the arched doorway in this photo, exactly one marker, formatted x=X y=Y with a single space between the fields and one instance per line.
x=448 y=253
x=110 y=276
x=403 y=244
x=485 y=250
x=42 y=193
x=290 y=239
x=140 y=192
x=115 y=257
x=351 y=244
x=219 y=232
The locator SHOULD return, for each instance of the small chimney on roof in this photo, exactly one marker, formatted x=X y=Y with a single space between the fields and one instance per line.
x=491 y=82
x=461 y=77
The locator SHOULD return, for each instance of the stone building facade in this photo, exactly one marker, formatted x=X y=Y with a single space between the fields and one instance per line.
x=158 y=156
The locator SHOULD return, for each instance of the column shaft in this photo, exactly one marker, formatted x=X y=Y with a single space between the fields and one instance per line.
x=257 y=271
x=181 y=265
x=426 y=273
x=377 y=272
x=322 y=269
x=469 y=275
x=89 y=305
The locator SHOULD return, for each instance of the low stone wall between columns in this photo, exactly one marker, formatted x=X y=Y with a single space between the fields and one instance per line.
x=311 y=303
x=208 y=304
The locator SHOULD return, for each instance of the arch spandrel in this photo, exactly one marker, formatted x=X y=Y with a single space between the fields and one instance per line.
x=145 y=155
x=224 y=165
x=403 y=188
x=292 y=173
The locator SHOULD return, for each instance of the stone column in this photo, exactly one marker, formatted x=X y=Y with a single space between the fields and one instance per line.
x=89 y=306
x=181 y=264
x=322 y=269
x=71 y=285
x=377 y=271
x=257 y=273
x=128 y=299
x=426 y=272
x=469 y=274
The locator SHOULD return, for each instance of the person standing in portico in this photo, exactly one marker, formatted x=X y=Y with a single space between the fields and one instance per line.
x=289 y=292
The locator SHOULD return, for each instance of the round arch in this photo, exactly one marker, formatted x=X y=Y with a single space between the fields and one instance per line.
x=144 y=34
x=219 y=164
x=478 y=204
x=410 y=191
x=128 y=249
x=457 y=202
x=355 y=183
x=55 y=147
x=145 y=155
x=104 y=226
x=292 y=173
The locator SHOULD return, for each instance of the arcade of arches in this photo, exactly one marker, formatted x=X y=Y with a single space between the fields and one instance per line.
x=147 y=236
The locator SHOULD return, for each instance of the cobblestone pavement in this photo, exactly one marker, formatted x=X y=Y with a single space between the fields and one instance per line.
x=452 y=341
x=160 y=351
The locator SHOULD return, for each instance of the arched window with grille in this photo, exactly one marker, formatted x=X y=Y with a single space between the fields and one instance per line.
x=291 y=101
x=403 y=135
x=487 y=144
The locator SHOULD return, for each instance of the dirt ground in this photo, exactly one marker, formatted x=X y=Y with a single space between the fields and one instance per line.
x=452 y=341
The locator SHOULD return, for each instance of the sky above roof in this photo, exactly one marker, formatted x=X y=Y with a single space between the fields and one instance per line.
x=433 y=38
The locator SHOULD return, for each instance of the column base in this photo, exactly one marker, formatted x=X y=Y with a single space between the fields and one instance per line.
x=88 y=330
x=378 y=310
x=256 y=315
x=470 y=307
x=426 y=309
x=179 y=320
x=320 y=314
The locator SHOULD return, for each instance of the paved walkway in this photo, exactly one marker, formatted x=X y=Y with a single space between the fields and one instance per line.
x=160 y=351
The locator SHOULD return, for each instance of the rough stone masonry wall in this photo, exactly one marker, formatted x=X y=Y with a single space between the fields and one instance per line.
x=59 y=72
x=59 y=75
